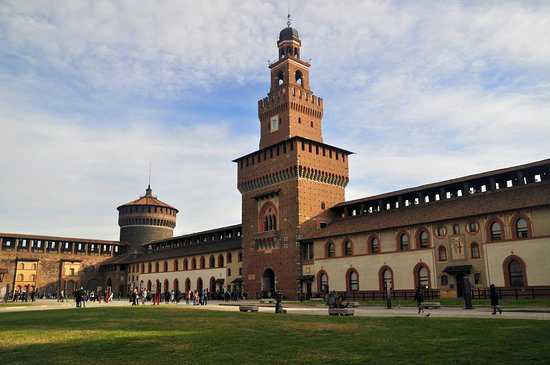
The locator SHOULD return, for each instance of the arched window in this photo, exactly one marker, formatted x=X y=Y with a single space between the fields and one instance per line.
x=202 y=262
x=423 y=239
x=220 y=261
x=514 y=270
x=323 y=282
x=442 y=253
x=422 y=276
x=299 y=78
x=176 y=285
x=229 y=258
x=331 y=249
x=348 y=248
x=149 y=269
x=199 y=284
x=193 y=263
x=240 y=256
x=374 y=245
x=176 y=268
x=495 y=231
x=403 y=242
x=474 y=250
x=165 y=266
x=385 y=276
x=280 y=78
x=444 y=280
x=157 y=267
x=352 y=280
x=268 y=217
x=522 y=228
x=211 y=262
x=185 y=265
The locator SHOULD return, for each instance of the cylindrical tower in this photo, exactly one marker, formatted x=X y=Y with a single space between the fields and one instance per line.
x=145 y=219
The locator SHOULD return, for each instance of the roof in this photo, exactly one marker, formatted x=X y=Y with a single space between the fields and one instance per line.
x=441 y=184
x=195 y=234
x=199 y=249
x=288 y=34
x=57 y=238
x=299 y=138
x=148 y=199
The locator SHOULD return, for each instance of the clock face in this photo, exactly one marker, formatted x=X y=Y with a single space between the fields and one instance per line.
x=274 y=123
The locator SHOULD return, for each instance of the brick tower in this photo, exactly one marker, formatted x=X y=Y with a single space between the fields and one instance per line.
x=145 y=219
x=291 y=180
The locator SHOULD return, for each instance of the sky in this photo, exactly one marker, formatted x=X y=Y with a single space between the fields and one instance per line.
x=91 y=92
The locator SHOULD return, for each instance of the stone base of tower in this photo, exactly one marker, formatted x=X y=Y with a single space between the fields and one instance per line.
x=265 y=274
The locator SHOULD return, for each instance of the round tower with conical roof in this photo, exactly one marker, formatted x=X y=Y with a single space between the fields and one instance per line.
x=144 y=220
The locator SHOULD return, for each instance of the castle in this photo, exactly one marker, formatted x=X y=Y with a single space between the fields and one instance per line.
x=299 y=235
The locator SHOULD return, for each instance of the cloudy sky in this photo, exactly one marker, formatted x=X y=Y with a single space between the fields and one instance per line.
x=91 y=91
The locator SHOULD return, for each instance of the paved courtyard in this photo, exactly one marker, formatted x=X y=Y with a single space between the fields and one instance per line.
x=366 y=311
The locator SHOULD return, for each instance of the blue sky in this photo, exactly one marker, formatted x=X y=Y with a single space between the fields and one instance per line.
x=91 y=91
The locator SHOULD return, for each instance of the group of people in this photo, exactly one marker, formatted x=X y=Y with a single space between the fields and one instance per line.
x=23 y=296
x=197 y=297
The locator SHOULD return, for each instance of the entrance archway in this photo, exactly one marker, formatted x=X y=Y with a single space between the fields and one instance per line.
x=268 y=282
x=199 y=284
x=212 y=285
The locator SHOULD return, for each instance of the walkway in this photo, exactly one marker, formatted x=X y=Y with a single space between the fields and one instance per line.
x=449 y=312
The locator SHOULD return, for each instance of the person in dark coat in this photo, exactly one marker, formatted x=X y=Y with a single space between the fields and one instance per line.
x=419 y=298
x=493 y=295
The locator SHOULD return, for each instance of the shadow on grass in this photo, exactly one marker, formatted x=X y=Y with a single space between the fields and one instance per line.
x=148 y=335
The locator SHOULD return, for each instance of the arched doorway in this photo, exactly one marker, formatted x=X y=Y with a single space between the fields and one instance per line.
x=109 y=283
x=212 y=285
x=199 y=284
x=166 y=285
x=187 y=284
x=149 y=285
x=268 y=283
x=176 y=286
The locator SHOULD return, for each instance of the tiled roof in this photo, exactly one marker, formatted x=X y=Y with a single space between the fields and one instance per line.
x=148 y=199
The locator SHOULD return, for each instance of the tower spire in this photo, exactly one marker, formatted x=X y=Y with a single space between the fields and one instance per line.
x=149 y=191
x=288 y=20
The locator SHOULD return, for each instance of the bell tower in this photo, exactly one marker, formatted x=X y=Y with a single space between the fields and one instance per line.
x=294 y=177
x=290 y=109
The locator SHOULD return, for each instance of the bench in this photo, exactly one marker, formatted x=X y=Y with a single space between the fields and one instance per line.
x=430 y=305
x=341 y=311
x=248 y=308
x=267 y=301
x=352 y=304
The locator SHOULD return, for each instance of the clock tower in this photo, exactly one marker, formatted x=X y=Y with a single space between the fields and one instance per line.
x=289 y=183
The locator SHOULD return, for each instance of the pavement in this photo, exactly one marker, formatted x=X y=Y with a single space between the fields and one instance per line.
x=365 y=311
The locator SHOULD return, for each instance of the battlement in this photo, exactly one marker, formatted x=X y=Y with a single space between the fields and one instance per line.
x=297 y=94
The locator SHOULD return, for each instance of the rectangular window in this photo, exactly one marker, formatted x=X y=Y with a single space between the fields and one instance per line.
x=274 y=123
x=456 y=229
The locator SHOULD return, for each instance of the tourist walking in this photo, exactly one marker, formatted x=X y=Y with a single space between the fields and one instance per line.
x=419 y=298
x=493 y=295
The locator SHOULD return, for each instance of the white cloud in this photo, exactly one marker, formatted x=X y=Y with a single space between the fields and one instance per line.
x=422 y=91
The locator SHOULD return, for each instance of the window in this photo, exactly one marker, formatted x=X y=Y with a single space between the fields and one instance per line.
x=229 y=257
x=444 y=280
x=157 y=267
x=522 y=229
x=472 y=227
x=165 y=266
x=477 y=278
x=374 y=245
x=20 y=277
x=423 y=277
x=193 y=263
x=228 y=271
x=274 y=123
x=515 y=272
x=496 y=231
x=211 y=261
x=424 y=239
x=403 y=242
x=220 y=261
x=202 y=262
x=71 y=272
x=442 y=253
x=176 y=265
x=456 y=229
x=353 y=280
x=348 y=248
x=331 y=250
x=149 y=269
x=474 y=250
x=386 y=279
x=323 y=282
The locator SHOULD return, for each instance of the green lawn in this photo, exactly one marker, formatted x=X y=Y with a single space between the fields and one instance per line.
x=148 y=335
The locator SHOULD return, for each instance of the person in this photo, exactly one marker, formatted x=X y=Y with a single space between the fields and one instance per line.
x=144 y=296
x=157 y=296
x=135 y=297
x=493 y=295
x=32 y=295
x=419 y=298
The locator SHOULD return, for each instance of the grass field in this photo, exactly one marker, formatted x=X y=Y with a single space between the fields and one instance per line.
x=146 y=335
